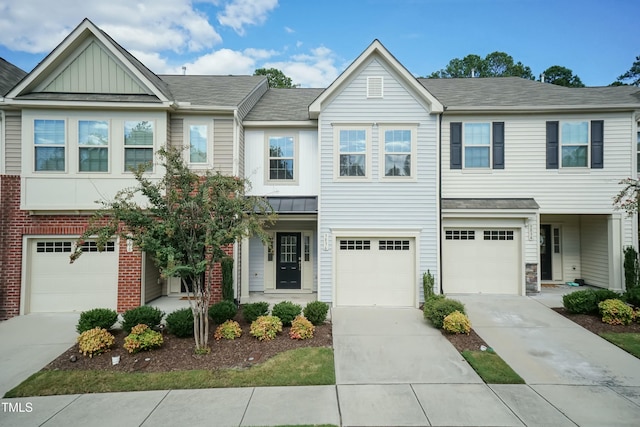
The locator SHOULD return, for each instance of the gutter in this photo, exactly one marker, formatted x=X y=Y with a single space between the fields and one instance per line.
x=543 y=109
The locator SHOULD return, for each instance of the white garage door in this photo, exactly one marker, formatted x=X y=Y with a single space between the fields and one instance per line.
x=481 y=261
x=375 y=272
x=57 y=286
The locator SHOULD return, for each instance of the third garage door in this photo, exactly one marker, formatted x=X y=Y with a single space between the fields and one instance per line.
x=477 y=260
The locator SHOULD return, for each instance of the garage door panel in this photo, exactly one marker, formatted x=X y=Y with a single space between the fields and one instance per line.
x=57 y=286
x=481 y=261
x=375 y=271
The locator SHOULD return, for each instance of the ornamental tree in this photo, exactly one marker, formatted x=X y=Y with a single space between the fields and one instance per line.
x=628 y=199
x=184 y=221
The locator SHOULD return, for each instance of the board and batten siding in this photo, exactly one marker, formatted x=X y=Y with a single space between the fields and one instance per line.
x=256 y=265
x=563 y=190
x=307 y=169
x=12 y=142
x=376 y=204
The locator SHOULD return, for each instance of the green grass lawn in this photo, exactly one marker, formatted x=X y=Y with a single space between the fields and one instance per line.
x=304 y=366
x=491 y=368
x=629 y=342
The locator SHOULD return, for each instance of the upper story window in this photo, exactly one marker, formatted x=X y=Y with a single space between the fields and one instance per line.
x=93 y=146
x=198 y=137
x=49 y=138
x=398 y=149
x=476 y=145
x=353 y=150
x=574 y=143
x=281 y=158
x=138 y=144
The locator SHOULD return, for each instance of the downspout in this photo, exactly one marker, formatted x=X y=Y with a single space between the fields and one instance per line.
x=2 y=141
x=439 y=222
x=236 y=171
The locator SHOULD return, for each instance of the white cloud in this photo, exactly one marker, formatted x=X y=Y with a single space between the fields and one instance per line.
x=260 y=53
x=220 y=62
x=37 y=26
x=316 y=69
x=289 y=30
x=239 y=13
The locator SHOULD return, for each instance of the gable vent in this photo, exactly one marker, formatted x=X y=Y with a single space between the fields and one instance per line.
x=374 y=87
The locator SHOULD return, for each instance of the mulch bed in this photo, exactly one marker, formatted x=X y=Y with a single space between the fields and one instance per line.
x=177 y=354
x=594 y=323
x=462 y=342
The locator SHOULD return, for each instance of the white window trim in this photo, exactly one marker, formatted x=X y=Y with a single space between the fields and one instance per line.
x=368 y=153
x=382 y=164
x=267 y=158
x=108 y=146
x=154 y=147
x=588 y=145
x=489 y=167
x=66 y=145
x=187 y=123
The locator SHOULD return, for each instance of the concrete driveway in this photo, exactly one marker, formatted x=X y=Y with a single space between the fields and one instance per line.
x=394 y=346
x=28 y=343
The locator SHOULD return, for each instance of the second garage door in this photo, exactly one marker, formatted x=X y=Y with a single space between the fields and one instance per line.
x=57 y=286
x=481 y=261
x=375 y=272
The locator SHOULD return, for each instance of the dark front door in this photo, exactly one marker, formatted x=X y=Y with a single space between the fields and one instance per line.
x=546 y=247
x=288 y=256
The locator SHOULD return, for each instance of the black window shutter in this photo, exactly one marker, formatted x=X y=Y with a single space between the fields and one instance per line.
x=552 y=145
x=456 y=145
x=597 y=144
x=498 y=145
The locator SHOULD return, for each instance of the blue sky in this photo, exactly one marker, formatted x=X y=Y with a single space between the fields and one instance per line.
x=313 y=41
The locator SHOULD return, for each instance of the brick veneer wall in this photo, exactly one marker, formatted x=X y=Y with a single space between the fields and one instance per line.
x=16 y=223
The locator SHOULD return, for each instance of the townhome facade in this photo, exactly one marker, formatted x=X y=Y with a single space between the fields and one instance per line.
x=493 y=186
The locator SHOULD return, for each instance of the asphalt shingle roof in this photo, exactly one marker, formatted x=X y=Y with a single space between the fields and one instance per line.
x=284 y=105
x=489 y=204
x=10 y=75
x=505 y=92
x=226 y=91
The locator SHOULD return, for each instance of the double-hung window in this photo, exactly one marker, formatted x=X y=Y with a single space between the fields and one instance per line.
x=49 y=138
x=352 y=153
x=198 y=136
x=93 y=146
x=574 y=144
x=138 y=144
x=282 y=158
x=397 y=153
x=477 y=145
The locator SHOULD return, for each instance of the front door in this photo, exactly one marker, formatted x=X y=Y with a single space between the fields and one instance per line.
x=289 y=261
x=546 y=247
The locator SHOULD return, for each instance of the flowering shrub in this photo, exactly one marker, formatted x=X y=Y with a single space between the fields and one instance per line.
x=142 y=338
x=615 y=312
x=456 y=323
x=229 y=330
x=301 y=328
x=266 y=327
x=95 y=341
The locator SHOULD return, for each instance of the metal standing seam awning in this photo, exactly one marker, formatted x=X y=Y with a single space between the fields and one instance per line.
x=294 y=204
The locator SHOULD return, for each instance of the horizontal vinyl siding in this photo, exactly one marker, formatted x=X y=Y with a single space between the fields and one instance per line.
x=223 y=146
x=176 y=137
x=564 y=190
x=12 y=142
x=241 y=152
x=377 y=204
x=594 y=250
x=256 y=265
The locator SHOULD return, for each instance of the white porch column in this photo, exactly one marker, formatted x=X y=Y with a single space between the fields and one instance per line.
x=616 y=270
x=244 y=271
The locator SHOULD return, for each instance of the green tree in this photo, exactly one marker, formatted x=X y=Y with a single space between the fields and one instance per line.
x=562 y=76
x=628 y=199
x=631 y=77
x=275 y=77
x=495 y=64
x=184 y=221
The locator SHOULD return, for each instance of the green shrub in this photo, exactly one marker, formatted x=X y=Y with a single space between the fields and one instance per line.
x=632 y=296
x=229 y=330
x=427 y=285
x=142 y=338
x=222 y=311
x=97 y=318
x=226 y=265
x=95 y=341
x=615 y=312
x=251 y=312
x=586 y=301
x=631 y=268
x=265 y=328
x=457 y=323
x=436 y=309
x=180 y=323
x=428 y=303
x=286 y=311
x=316 y=312
x=301 y=328
x=145 y=314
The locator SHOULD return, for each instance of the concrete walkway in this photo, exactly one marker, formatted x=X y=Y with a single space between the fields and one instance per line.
x=392 y=368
